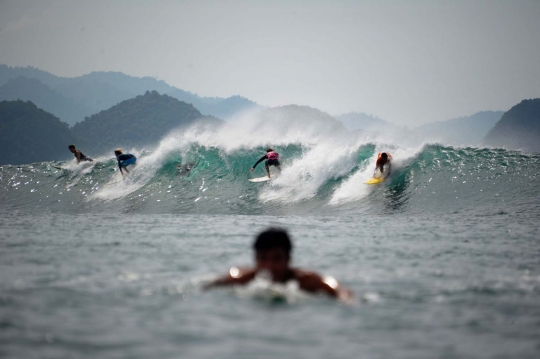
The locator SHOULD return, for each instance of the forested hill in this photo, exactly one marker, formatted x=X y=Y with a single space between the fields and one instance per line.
x=73 y=99
x=519 y=128
x=137 y=122
x=29 y=134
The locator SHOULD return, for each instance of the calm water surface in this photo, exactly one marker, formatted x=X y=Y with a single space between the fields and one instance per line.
x=129 y=286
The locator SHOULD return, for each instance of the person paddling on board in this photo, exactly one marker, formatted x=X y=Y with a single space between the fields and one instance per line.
x=272 y=158
x=124 y=160
x=78 y=154
x=272 y=258
x=383 y=159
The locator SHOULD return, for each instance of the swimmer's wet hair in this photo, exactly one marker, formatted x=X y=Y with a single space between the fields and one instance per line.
x=273 y=238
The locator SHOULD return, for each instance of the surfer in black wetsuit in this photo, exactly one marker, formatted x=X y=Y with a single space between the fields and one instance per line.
x=272 y=258
x=124 y=160
x=272 y=158
x=78 y=154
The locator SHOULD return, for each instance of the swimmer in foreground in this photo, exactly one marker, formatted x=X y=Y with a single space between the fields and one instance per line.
x=273 y=255
x=78 y=154
x=124 y=160
x=272 y=158
x=383 y=159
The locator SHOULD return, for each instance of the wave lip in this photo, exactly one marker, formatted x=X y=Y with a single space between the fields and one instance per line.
x=206 y=170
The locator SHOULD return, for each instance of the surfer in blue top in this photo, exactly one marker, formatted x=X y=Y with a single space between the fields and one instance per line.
x=124 y=160
x=272 y=158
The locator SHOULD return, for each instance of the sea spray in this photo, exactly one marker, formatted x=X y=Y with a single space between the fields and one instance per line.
x=205 y=170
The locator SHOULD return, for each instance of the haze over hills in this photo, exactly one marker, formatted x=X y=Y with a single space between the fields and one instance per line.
x=31 y=89
x=463 y=131
x=74 y=99
x=137 y=122
x=519 y=128
x=88 y=94
x=371 y=126
x=29 y=134
x=363 y=121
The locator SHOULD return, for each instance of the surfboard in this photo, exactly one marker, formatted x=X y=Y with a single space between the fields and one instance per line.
x=58 y=167
x=260 y=179
x=374 y=180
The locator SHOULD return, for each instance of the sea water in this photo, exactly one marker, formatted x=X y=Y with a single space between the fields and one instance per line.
x=443 y=257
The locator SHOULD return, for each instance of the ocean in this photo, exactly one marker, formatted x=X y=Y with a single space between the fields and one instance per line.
x=443 y=258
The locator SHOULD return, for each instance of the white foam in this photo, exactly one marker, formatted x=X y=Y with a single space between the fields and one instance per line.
x=304 y=176
x=331 y=152
x=354 y=188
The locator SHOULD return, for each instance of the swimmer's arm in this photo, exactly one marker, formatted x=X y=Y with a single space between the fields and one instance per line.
x=235 y=276
x=314 y=283
x=78 y=155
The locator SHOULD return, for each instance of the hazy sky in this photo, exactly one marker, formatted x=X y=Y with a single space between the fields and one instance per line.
x=408 y=62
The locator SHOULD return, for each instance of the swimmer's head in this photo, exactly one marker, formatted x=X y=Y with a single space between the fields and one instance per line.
x=118 y=151
x=384 y=156
x=71 y=148
x=273 y=238
x=272 y=252
x=269 y=149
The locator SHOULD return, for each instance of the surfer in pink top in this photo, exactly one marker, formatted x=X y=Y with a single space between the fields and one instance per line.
x=272 y=159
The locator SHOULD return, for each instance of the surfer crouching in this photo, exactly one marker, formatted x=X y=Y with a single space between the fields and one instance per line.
x=383 y=160
x=272 y=258
x=124 y=160
x=272 y=158
x=78 y=154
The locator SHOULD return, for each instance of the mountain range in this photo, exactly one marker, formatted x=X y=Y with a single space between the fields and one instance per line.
x=463 y=131
x=111 y=109
x=74 y=99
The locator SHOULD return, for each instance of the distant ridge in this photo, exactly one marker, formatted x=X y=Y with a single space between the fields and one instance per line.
x=29 y=134
x=463 y=131
x=136 y=122
x=519 y=128
x=98 y=91
x=362 y=121
x=23 y=88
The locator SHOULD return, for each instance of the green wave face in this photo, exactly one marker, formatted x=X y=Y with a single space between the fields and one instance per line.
x=316 y=179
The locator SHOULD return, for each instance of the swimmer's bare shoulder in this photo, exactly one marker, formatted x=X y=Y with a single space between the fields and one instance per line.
x=235 y=276
x=312 y=282
x=308 y=281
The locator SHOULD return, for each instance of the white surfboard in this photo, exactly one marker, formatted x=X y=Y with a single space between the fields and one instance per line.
x=260 y=179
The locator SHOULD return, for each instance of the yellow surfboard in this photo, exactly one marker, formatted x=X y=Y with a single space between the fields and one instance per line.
x=374 y=180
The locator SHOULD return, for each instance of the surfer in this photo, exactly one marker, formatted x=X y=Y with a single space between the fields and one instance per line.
x=383 y=159
x=272 y=257
x=124 y=160
x=78 y=154
x=272 y=159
